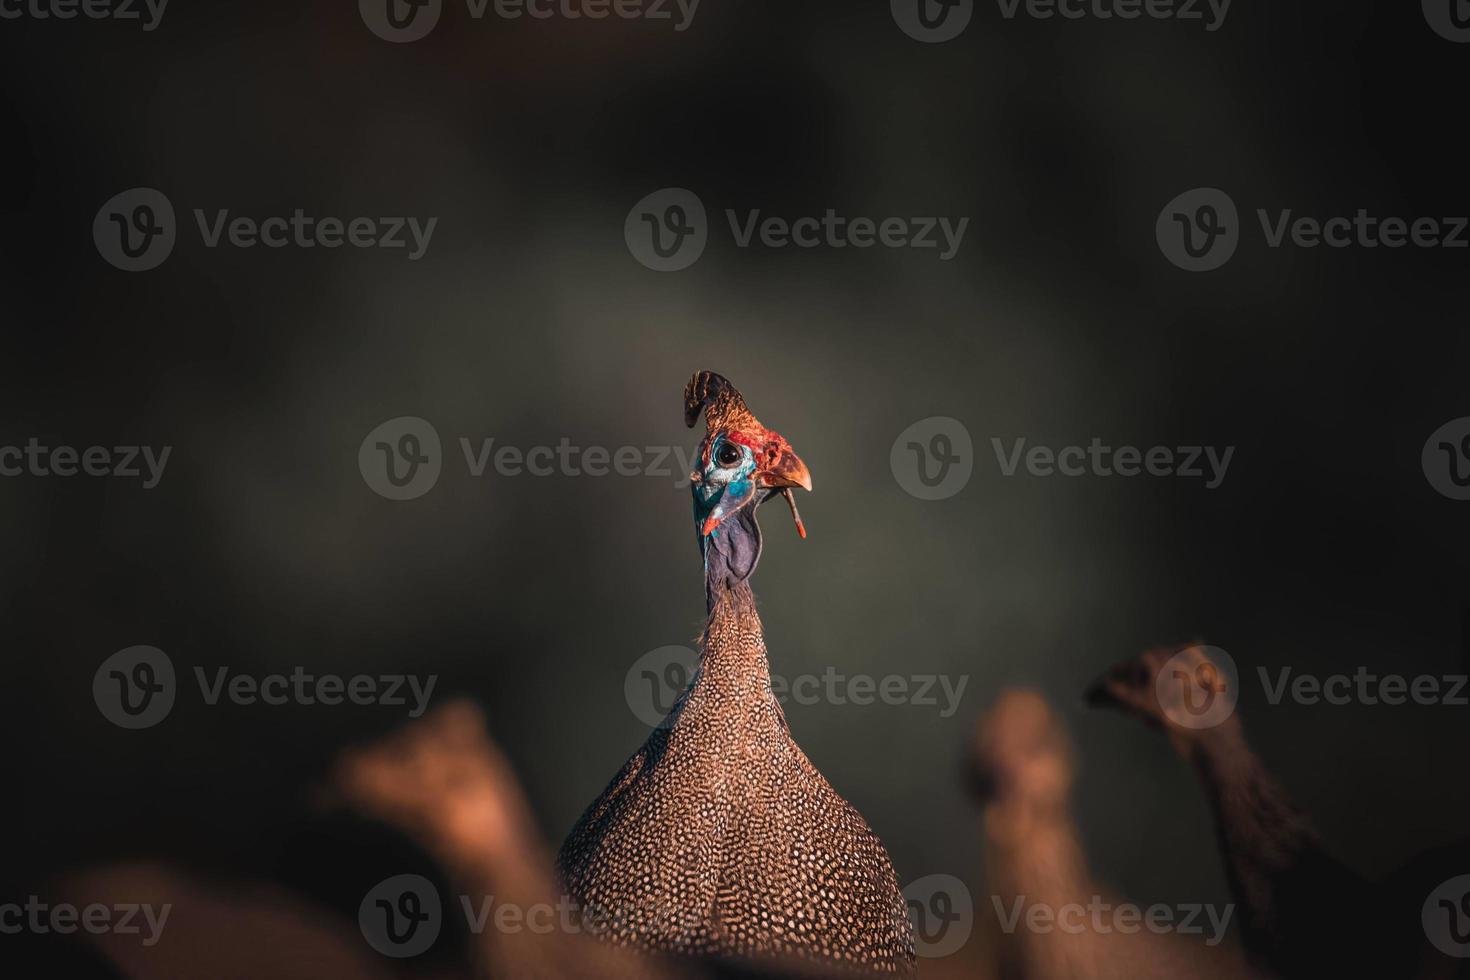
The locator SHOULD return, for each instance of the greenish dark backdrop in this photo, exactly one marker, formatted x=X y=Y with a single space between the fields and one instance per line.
x=528 y=321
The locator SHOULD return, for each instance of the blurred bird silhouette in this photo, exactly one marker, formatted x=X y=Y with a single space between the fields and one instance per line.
x=1022 y=768
x=1305 y=913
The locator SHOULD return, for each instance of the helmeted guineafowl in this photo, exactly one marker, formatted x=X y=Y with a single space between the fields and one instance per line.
x=719 y=837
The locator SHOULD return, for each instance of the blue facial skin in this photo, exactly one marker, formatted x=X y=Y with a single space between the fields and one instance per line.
x=722 y=490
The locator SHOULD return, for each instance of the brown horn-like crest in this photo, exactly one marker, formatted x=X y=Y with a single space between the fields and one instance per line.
x=717 y=398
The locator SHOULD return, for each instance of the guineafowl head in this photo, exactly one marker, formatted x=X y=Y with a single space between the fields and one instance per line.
x=1171 y=689
x=740 y=465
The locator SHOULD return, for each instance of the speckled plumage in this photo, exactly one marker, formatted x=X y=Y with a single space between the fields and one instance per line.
x=719 y=837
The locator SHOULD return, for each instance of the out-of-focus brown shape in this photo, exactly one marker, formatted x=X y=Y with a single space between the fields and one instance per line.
x=1303 y=912
x=1023 y=768
x=442 y=781
x=223 y=932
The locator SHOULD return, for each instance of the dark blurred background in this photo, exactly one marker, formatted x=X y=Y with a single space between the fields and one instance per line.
x=528 y=321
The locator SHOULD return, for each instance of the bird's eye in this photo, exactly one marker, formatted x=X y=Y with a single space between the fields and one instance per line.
x=728 y=455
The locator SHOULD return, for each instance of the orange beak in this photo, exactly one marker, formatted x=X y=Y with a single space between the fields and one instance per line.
x=787 y=471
